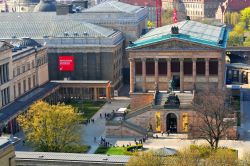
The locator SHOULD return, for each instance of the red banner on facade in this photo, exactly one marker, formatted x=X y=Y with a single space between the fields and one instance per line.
x=66 y=63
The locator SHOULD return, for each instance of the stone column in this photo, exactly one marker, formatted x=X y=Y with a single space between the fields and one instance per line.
x=194 y=72
x=143 y=74
x=95 y=94
x=207 y=69
x=132 y=75
x=240 y=76
x=220 y=74
x=107 y=93
x=169 y=69
x=181 y=75
x=156 y=74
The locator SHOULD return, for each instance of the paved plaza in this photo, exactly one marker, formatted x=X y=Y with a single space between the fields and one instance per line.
x=176 y=141
x=97 y=129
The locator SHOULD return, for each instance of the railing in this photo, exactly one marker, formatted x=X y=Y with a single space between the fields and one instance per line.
x=134 y=127
x=138 y=111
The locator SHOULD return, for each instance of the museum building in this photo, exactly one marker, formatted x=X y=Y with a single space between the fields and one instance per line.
x=189 y=55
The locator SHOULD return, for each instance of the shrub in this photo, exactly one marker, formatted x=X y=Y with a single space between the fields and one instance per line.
x=101 y=150
x=74 y=148
x=222 y=156
x=135 y=147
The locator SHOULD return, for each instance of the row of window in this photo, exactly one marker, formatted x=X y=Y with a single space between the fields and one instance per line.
x=199 y=13
x=4 y=73
x=26 y=67
x=5 y=96
x=24 y=86
x=22 y=69
x=175 y=67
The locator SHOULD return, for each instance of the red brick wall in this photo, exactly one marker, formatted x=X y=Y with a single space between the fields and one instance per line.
x=140 y=100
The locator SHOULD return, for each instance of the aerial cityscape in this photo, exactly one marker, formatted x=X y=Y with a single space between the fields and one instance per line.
x=125 y=82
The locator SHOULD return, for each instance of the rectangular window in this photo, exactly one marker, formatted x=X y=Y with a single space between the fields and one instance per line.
x=24 y=85
x=200 y=67
x=213 y=67
x=175 y=65
x=5 y=95
x=150 y=67
x=29 y=83
x=188 y=67
x=138 y=68
x=19 y=89
x=162 y=67
x=14 y=88
x=34 y=81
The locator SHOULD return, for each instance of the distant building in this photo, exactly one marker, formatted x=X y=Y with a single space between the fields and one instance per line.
x=7 y=152
x=150 y=4
x=195 y=9
x=238 y=73
x=19 y=5
x=230 y=6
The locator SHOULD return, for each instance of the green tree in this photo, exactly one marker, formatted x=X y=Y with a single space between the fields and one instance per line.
x=245 y=16
x=50 y=128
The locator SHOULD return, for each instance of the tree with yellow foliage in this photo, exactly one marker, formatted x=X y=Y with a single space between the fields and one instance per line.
x=51 y=128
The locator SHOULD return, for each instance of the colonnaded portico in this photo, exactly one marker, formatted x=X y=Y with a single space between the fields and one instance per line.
x=148 y=71
x=190 y=53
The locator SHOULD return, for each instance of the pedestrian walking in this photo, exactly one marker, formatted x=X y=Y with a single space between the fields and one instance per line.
x=95 y=139
x=100 y=115
x=168 y=132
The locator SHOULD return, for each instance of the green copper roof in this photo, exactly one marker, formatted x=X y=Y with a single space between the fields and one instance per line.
x=191 y=31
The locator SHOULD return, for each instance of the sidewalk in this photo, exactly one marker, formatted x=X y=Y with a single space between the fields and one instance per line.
x=97 y=129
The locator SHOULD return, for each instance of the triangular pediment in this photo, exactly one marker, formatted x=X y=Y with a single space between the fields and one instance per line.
x=174 y=45
x=5 y=46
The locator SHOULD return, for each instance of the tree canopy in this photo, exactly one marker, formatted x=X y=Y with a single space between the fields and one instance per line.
x=50 y=128
x=239 y=36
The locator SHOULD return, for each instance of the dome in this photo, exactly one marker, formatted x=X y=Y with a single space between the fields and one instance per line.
x=45 y=6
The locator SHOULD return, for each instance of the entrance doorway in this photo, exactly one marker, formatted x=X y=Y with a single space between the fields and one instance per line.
x=176 y=80
x=171 y=123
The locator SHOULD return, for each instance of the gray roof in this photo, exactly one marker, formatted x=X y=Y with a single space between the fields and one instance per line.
x=113 y=6
x=41 y=24
x=22 y=103
x=93 y=158
x=239 y=66
x=188 y=30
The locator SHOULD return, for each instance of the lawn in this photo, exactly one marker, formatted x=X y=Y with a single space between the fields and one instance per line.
x=116 y=150
x=112 y=150
x=88 y=108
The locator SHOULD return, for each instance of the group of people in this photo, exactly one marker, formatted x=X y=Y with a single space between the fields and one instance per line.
x=103 y=142
x=88 y=121
x=141 y=140
x=106 y=115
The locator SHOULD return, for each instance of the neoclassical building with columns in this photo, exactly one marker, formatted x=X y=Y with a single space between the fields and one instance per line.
x=189 y=53
x=193 y=57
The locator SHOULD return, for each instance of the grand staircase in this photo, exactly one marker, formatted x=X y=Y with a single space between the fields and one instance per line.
x=138 y=111
x=136 y=128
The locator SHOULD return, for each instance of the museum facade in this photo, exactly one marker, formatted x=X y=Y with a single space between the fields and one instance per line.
x=189 y=55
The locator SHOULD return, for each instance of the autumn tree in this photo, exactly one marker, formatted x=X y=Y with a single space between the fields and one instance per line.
x=146 y=159
x=50 y=128
x=214 y=116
